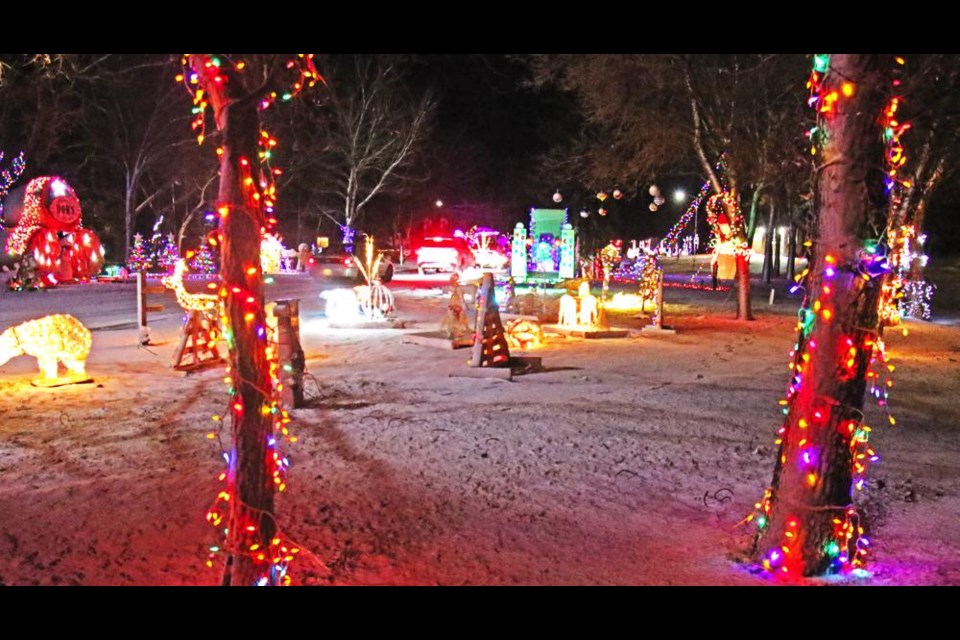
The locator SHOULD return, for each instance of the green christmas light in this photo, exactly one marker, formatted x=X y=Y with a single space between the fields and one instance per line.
x=821 y=62
x=807 y=318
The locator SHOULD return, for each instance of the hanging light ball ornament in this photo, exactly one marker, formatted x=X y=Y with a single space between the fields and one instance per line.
x=602 y=211
x=584 y=213
x=617 y=194
x=653 y=207
x=659 y=200
x=557 y=197
x=654 y=191
x=602 y=196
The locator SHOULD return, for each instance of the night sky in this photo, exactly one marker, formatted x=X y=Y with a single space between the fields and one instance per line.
x=493 y=120
x=484 y=158
x=502 y=126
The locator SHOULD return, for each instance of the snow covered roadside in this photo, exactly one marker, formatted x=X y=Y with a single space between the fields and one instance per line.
x=627 y=462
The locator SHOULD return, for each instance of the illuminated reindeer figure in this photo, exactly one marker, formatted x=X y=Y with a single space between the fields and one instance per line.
x=189 y=301
x=51 y=340
x=200 y=332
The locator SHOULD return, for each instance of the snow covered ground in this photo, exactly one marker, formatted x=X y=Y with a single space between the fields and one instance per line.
x=628 y=461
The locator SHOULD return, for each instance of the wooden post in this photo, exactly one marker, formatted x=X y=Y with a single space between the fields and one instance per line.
x=791 y=253
x=197 y=348
x=143 y=307
x=658 y=312
x=777 y=248
x=476 y=353
x=290 y=353
x=144 y=330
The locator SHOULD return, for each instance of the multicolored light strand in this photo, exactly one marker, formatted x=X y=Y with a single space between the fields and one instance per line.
x=271 y=557
x=213 y=69
x=673 y=235
x=9 y=176
x=140 y=256
x=204 y=262
x=847 y=548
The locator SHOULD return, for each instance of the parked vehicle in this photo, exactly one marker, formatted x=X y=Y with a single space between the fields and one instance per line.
x=489 y=247
x=440 y=253
x=343 y=266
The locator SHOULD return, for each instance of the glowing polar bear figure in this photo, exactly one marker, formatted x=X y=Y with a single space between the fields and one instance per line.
x=51 y=340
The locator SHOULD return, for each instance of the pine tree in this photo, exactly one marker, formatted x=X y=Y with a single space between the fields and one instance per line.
x=168 y=254
x=140 y=255
x=204 y=261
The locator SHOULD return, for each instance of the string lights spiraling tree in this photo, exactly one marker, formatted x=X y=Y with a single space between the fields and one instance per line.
x=9 y=176
x=235 y=91
x=204 y=261
x=168 y=255
x=808 y=523
x=140 y=255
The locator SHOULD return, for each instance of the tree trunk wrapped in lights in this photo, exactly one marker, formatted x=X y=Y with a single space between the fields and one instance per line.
x=256 y=553
x=807 y=521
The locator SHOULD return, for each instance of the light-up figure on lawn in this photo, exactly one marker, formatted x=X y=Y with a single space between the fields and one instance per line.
x=568 y=311
x=589 y=309
x=51 y=340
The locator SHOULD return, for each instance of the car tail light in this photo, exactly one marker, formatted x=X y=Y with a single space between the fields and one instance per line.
x=348 y=262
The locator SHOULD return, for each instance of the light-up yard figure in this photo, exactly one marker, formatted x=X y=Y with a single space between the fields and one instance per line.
x=584 y=317
x=52 y=340
x=579 y=314
x=543 y=253
x=568 y=311
x=567 y=251
x=455 y=324
x=376 y=301
x=589 y=315
x=518 y=253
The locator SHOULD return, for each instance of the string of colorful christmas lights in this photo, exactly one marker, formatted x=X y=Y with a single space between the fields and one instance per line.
x=9 y=176
x=673 y=235
x=140 y=255
x=729 y=236
x=848 y=547
x=204 y=261
x=271 y=559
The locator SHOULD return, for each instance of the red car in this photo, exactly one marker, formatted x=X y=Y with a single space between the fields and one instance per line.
x=439 y=253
